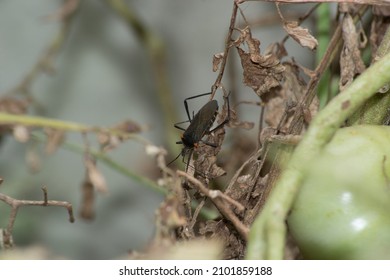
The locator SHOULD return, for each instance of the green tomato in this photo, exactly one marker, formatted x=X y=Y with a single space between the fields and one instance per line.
x=343 y=208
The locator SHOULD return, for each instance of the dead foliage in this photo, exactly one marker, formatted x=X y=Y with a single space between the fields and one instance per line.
x=209 y=209
x=287 y=103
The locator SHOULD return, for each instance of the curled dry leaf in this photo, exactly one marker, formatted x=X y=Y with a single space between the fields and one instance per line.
x=87 y=211
x=128 y=126
x=283 y=104
x=351 y=63
x=261 y=72
x=300 y=34
x=260 y=78
x=113 y=137
x=217 y=59
x=95 y=176
x=242 y=124
x=108 y=141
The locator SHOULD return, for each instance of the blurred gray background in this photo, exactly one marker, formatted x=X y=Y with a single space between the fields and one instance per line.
x=103 y=75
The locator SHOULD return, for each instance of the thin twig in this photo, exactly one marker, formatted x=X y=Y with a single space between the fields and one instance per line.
x=16 y=204
x=196 y=214
x=218 y=193
x=219 y=202
x=228 y=41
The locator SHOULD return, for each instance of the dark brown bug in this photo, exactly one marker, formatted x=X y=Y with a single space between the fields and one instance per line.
x=199 y=125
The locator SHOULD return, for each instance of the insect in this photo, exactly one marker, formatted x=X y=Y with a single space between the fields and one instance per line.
x=199 y=126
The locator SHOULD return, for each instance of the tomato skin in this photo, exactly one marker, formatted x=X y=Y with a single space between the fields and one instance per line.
x=343 y=208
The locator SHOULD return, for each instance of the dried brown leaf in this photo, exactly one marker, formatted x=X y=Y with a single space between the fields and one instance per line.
x=261 y=77
x=217 y=59
x=300 y=34
x=111 y=139
x=278 y=49
x=379 y=26
x=87 y=211
x=261 y=72
x=282 y=106
x=108 y=141
x=128 y=126
x=241 y=124
x=351 y=63
x=95 y=176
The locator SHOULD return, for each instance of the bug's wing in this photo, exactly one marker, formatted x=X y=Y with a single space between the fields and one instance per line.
x=202 y=122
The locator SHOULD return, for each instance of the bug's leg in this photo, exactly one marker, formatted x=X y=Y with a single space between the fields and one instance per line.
x=174 y=159
x=189 y=159
x=176 y=125
x=192 y=97
x=227 y=117
x=209 y=144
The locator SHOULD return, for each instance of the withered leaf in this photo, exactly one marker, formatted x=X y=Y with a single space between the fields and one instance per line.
x=217 y=59
x=300 y=34
x=95 y=176
x=261 y=72
x=351 y=63
x=111 y=138
x=108 y=141
x=87 y=211
x=128 y=126
x=261 y=77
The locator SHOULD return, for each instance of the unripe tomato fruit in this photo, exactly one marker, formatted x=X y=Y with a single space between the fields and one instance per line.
x=343 y=208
